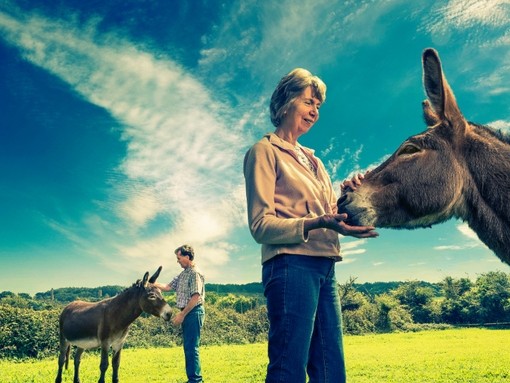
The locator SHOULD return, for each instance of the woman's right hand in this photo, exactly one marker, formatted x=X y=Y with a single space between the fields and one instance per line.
x=337 y=223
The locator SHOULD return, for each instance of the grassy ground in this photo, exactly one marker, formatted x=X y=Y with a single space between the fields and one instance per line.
x=449 y=356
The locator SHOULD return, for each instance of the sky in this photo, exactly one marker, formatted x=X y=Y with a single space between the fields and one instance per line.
x=125 y=123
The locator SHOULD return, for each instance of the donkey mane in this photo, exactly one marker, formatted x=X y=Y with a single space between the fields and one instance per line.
x=135 y=285
x=497 y=133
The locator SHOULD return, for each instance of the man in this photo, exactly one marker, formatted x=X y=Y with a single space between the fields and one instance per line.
x=189 y=286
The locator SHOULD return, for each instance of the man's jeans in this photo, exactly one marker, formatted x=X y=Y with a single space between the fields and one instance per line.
x=305 y=325
x=191 y=327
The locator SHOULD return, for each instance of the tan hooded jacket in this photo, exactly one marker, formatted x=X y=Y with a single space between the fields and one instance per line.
x=281 y=192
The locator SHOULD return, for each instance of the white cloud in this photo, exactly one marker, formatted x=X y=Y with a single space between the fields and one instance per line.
x=471 y=242
x=183 y=156
x=467 y=231
x=140 y=208
x=475 y=15
x=501 y=125
x=451 y=247
x=355 y=166
x=254 y=36
x=350 y=248
x=465 y=13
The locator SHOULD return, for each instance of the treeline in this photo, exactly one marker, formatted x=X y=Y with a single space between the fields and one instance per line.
x=69 y=294
x=29 y=326
x=414 y=305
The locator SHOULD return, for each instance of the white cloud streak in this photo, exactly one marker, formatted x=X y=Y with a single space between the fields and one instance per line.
x=183 y=155
x=354 y=247
x=487 y=25
x=471 y=242
x=464 y=13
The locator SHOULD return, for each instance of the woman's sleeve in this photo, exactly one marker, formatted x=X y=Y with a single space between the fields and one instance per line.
x=260 y=177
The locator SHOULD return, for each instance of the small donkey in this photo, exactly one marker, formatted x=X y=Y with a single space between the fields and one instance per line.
x=106 y=323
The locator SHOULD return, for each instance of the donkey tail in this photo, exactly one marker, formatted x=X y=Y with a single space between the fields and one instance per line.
x=68 y=350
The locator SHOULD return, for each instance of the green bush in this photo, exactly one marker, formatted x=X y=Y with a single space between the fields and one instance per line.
x=29 y=327
x=28 y=333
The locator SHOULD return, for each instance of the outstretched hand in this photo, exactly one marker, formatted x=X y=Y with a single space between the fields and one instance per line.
x=337 y=223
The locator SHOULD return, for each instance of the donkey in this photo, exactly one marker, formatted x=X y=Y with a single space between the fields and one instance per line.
x=455 y=168
x=106 y=323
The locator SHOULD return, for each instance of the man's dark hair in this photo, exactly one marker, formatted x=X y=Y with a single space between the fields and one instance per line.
x=186 y=251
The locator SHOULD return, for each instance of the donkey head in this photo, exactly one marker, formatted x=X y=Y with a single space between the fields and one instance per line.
x=421 y=183
x=151 y=300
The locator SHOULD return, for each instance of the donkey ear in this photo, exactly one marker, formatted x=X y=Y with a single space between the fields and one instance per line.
x=156 y=275
x=145 y=278
x=442 y=99
x=429 y=115
x=433 y=80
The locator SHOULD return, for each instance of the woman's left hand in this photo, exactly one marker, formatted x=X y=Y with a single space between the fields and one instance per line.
x=353 y=183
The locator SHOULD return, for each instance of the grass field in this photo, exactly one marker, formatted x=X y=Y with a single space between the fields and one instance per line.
x=448 y=356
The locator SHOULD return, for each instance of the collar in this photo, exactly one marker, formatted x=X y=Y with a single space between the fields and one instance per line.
x=281 y=143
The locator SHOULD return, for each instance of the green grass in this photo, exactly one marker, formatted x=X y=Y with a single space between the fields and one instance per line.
x=449 y=356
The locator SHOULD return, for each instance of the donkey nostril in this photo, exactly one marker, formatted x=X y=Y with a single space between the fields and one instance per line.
x=342 y=199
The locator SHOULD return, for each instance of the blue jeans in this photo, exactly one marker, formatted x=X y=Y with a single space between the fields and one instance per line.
x=191 y=327
x=305 y=322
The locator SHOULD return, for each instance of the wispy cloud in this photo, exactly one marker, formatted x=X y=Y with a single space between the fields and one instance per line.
x=183 y=150
x=350 y=248
x=486 y=23
x=354 y=161
x=471 y=241
x=254 y=36
x=466 y=15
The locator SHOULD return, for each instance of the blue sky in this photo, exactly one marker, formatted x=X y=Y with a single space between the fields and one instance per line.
x=124 y=126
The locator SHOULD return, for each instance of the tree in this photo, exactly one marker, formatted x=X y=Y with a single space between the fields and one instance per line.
x=417 y=299
x=453 y=289
x=358 y=313
x=492 y=291
x=391 y=315
x=457 y=305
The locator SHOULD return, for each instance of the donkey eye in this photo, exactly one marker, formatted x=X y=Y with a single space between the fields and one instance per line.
x=408 y=149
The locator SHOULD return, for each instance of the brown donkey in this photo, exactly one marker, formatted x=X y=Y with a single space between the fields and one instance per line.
x=106 y=323
x=455 y=168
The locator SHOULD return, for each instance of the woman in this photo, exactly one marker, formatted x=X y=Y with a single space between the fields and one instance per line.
x=292 y=213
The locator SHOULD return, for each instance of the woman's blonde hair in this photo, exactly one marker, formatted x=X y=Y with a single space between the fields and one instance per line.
x=289 y=88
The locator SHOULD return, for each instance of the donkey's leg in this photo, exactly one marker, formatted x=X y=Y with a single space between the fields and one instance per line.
x=77 y=360
x=104 y=363
x=116 y=365
x=62 y=358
